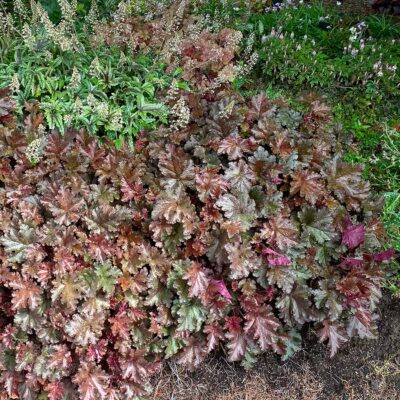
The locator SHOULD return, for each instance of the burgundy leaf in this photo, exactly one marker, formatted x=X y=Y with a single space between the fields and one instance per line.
x=353 y=235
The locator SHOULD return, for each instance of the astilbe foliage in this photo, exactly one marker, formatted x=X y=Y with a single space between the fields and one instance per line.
x=235 y=231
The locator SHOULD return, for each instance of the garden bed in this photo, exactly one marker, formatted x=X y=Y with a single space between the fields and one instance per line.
x=192 y=200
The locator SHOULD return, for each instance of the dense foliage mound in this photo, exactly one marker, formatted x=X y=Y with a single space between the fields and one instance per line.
x=207 y=56
x=235 y=231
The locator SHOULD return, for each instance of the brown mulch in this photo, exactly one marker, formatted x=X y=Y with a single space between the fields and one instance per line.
x=362 y=370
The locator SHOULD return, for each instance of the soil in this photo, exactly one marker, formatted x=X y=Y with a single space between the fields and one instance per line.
x=362 y=370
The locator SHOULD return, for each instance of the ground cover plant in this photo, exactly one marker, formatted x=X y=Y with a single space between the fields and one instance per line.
x=234 y=231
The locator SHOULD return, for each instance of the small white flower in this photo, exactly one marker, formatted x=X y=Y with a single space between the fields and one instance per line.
x=75 y=79
x=15 y=84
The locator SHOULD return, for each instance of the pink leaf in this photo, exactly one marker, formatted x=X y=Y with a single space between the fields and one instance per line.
x=352 y=263
x=385 y=256
x=275 y=258
x=353 y=235
x=222 y=289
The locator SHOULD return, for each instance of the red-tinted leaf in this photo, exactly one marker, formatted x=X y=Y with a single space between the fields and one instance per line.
x=309 y=186
x=346 y=181
x=242 y=259
x=233 y=146
x=193 y=353
x=215 y=334
x=295 y=307
x=334 y=333
x=136 y=368
x=210 y=184
x=177 y=169
x=197 y=280
x=237 y=345
x=362 y=324
x=55 y=390
x=353 y=235
x=132 y=191
x=263 y=326
x=240 y=176
x=356 y=285
x=280 y=231
x=92 y=382
x=65 y=206
x=259 y=106
x=26 y=294
x=275 y=258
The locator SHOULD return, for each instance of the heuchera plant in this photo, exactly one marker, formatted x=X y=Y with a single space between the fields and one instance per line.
x=236 y=232
x=185 y=43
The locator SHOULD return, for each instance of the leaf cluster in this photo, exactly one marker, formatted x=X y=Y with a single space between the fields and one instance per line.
x=184 y=41
x=235 y=231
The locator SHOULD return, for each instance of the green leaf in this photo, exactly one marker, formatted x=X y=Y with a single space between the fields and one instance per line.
x=107 y=276
x=175 y=278
x=328 y=297
x=317 y=225
x=250 y=357
x=292 y=344
x=260 y=27
x=191 y=317
x=173 y=345
x=8 y=359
